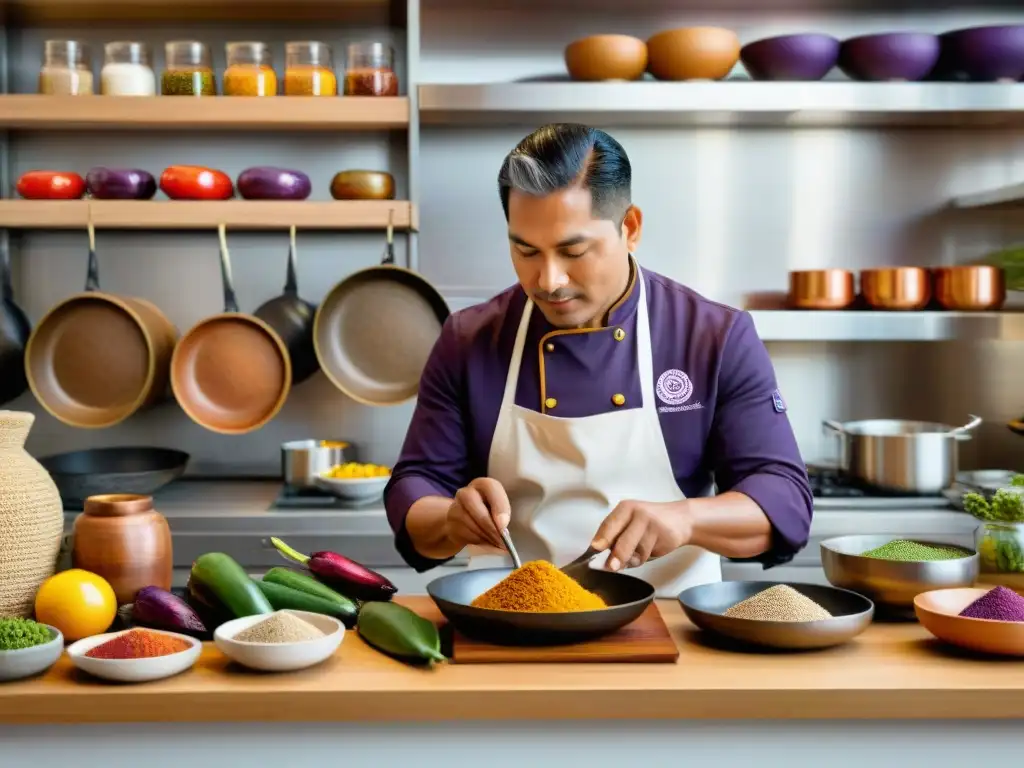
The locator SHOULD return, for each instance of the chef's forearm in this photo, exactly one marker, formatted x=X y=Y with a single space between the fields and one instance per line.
x=426 y=525
x=730 y=524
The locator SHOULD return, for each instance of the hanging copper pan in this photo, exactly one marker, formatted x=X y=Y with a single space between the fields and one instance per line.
x=375 y=329
x=231 y=372
x=97 y=358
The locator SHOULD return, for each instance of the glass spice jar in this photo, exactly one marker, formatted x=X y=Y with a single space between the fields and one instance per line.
x=1000 y=546
x=127 y=70
x=371 y=70
x=250 y=71
x=67 y=69
x=187 y=70
x=309 y=70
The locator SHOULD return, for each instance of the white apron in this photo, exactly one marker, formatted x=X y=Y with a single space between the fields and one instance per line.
x=564 y=476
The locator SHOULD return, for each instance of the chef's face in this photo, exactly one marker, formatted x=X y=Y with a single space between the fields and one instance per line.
x=573 y=266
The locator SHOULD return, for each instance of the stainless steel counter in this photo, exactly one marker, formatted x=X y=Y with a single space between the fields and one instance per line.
x=239 y=517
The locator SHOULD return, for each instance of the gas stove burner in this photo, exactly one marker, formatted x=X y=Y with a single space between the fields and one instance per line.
x=829 y=481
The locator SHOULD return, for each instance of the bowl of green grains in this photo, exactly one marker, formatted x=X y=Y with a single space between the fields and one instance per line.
x=790 y=616
x=27 y=648
x=892 y=571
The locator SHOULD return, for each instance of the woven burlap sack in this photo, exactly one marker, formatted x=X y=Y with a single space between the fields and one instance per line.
x=31 y=519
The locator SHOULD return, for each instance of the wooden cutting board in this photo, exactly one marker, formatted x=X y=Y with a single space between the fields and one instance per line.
x=646 y=640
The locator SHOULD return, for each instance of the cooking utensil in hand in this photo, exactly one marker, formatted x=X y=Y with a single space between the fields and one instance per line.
x=291 y=317
x=15 y=330
x=580 y=563
x=374 y=330
x=626 y=596
x=231 y=373
x=899 y=456
x=505 y=537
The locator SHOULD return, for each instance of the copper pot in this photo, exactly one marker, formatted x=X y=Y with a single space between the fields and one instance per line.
x=970 y=288
x=123 y=539
x=821 y=289
x=898 y=288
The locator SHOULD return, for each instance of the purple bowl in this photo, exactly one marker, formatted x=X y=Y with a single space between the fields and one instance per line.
x=790 y=57
x=982 y=54
x=891 y=56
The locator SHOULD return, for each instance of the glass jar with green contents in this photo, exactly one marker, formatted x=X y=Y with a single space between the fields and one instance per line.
x=999 y=538
x=187 y=70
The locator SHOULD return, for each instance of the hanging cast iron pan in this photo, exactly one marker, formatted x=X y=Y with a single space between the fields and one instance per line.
x=292 y=318
x=375 y=329
x=99 y=471
x=231 y=372
x=14 y=332
x=97 y=358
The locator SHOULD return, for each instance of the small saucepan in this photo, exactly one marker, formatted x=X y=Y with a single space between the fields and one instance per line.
x=231 y=372
x=375 y=329
x=14 y=332
x=292 y=318
x=95 y=359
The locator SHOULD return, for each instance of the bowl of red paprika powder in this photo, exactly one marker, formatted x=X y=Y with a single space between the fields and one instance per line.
x=135 y=655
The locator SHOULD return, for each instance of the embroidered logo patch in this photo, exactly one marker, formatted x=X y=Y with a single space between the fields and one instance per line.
x=777 y=402
x=674 y=387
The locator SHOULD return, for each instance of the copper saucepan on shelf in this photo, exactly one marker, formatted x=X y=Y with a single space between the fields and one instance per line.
x=821 y=289
x=971 y=288
x=896 y=288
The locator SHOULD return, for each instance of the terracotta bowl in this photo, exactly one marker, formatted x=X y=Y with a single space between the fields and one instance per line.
x=606 y=57
x=791 y=57
x=693 y=53
x=938 y=613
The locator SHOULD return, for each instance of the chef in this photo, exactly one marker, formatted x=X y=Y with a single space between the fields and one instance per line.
x=596 y=402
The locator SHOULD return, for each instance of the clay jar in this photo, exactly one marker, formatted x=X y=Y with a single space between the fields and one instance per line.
x=122 y=538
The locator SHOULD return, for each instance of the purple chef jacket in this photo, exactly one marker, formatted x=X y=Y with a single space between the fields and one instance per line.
x=721 y=413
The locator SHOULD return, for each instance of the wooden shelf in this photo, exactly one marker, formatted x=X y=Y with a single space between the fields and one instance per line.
x=191 y=215
x=24 y=13
x=298 y=113
x=1001 y=199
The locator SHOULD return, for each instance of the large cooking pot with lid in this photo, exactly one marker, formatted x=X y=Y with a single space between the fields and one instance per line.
x=901 y=457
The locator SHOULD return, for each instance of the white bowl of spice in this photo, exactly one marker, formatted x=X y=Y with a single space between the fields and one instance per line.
x=135 y=655
x=282 y=641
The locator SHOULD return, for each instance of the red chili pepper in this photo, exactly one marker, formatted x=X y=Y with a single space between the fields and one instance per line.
x=138 y=644
x=195 y=182
x=51 y=185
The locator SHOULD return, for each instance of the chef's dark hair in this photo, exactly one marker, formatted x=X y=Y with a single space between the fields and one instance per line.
x=563 y=155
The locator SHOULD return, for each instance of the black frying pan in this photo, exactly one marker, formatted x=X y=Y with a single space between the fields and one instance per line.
x=14 y=332
x=627 y=598
x=292 y=318
x=99 y=471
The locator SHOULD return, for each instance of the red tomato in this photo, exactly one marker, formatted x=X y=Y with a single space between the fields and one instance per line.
x=194 y=182
x=51 y=185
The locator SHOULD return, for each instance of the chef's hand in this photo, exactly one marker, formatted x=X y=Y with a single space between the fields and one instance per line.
x=636 y=531
x=478 y=513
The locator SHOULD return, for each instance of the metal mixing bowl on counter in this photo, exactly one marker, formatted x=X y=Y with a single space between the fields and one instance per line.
x=893 y=584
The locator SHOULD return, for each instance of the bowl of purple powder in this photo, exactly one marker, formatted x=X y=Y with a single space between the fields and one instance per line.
x=987 y=620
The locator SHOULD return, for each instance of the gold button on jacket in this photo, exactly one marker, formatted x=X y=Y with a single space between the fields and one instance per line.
x=619 y=399
x=550 y=402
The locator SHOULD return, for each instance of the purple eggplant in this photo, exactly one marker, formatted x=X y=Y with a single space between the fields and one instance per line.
x=159 y=609
x=120 y=184
x=267 y=183
x=347 y=576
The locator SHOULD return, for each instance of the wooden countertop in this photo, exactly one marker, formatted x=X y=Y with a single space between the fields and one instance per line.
x=891 y=671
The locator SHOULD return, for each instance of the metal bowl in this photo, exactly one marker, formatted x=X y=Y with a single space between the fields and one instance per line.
x=893 y=56
x=802 y=57
x=354 y=488
x=705 y=605
x=627 y=597
x=892 y=584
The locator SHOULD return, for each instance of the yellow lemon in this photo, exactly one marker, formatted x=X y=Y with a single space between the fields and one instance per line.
x=78 y=603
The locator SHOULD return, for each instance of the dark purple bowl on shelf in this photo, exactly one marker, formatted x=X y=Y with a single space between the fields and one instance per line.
x=790 y=57
x=982 y=54
x=890 y=56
